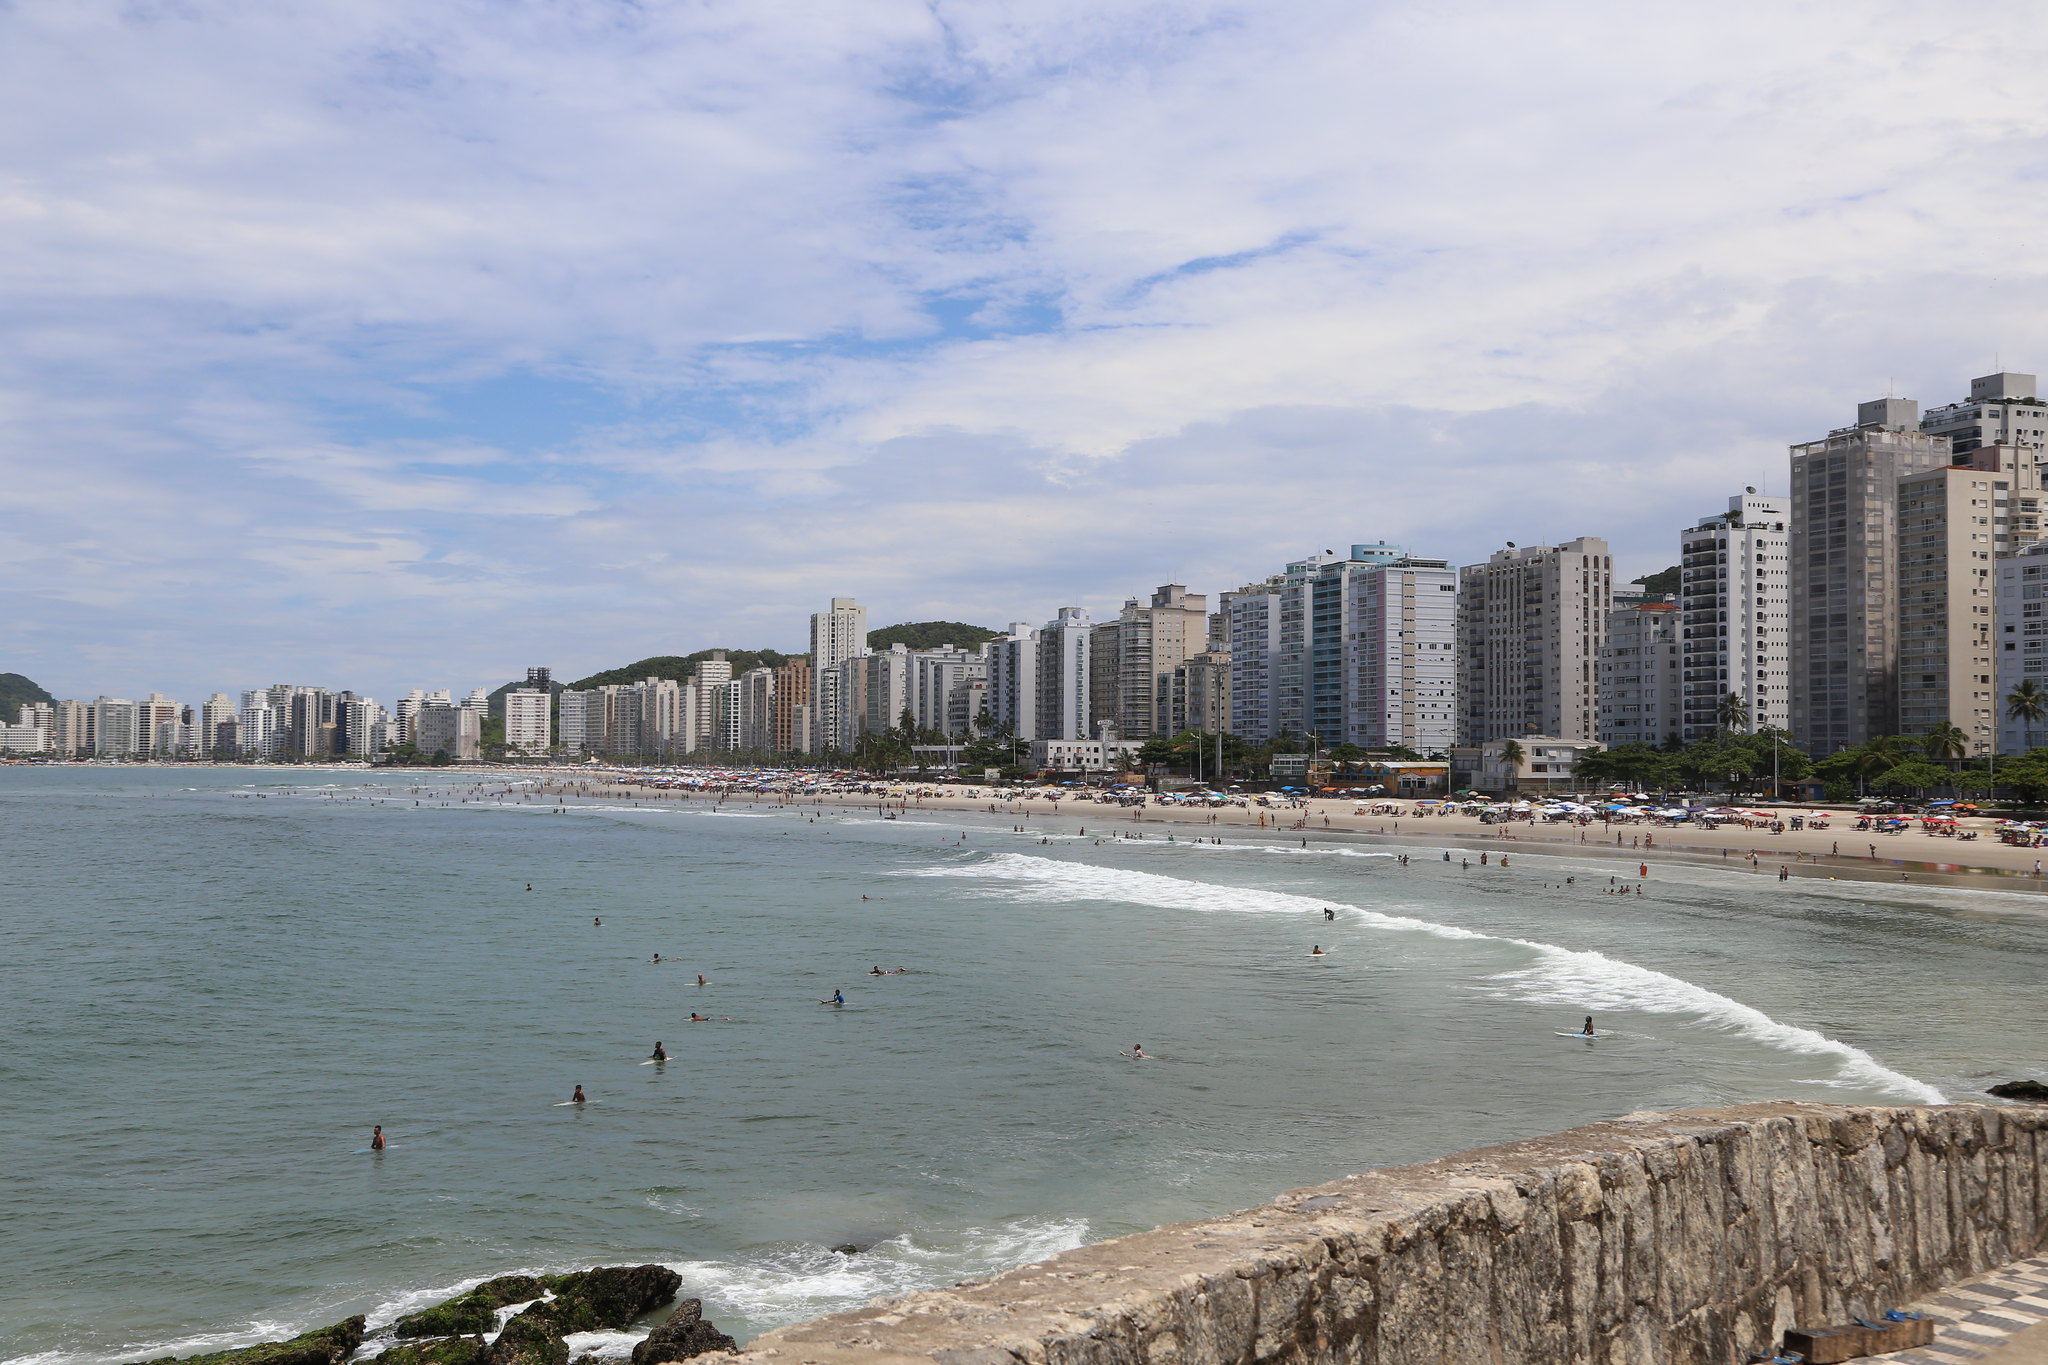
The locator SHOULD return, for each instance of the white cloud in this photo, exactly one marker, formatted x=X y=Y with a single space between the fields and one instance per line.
x=1231 y=282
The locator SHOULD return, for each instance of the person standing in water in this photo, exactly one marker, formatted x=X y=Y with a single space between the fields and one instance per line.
x=660 y=1053
x=1588 y=1030
x=578 y=1097
x=377 y=1138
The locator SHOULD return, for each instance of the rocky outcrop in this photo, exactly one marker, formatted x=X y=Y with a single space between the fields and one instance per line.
x=683 y=1336
x=609 y=1296
x=442 y=1351
x=328 y=1346
x=1669 y=1239
x=530 y=1338
x=473 y=1311
x=2031 y=1091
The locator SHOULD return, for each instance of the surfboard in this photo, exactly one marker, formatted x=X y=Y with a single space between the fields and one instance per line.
x=570 y=1104
x=1585 y=1035
x=1315 y=954
x=1147 y=1058
x=649 y=1062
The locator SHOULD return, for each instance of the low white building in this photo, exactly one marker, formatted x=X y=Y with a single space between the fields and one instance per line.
x=1545 y=763
x=24 y=738
x=1085 y=755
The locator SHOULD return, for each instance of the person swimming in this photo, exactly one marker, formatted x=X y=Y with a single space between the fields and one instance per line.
x=838 y=998
x=578 y=1097
x=876 y=971
x=596 y=923
x=377 y=1138
x=1317 y=951
x=696 y=1018
x=657 y=957
x=660 y=1053
x=1138 y=1053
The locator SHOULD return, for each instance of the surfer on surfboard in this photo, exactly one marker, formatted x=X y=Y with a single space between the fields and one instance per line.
x=660 y=1053
x=578 y=1097
x=377 y=1138
x=1316 y=950
x=838 y=998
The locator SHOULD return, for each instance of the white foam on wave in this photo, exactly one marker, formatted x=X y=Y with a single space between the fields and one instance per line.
x=1581 y=978
x=796 y=1281
x=200 y=1343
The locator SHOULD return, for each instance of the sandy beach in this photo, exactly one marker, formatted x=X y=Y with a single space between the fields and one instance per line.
x=1840 y=851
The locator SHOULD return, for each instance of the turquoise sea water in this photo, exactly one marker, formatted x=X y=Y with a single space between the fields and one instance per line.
x=213 y=983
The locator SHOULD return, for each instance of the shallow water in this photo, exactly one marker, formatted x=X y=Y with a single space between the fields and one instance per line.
x=216 y=981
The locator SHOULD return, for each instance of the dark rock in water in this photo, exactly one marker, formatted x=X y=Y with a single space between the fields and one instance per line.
x=685 y=1334
x=328 y=1346
x=531 y=1338
x=2020 y=1090
x=609 y=1296
x=441 y=1351
x=473 y=1311
x=849 y=1249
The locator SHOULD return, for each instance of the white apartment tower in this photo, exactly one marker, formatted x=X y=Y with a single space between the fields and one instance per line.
x=2001 y=410
x=1013 y=681
x=529 y=722
x=2021 y=614
x=1065 y=649
x=1252 y=620
x=1531 y=621
x=837 y=635
x=1735 y=602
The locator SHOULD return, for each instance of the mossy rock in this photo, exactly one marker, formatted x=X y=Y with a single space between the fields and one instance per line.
x=328 y=1346
x=611 y=1297
x=473 y=1311
x=440 y=1351
x=531 y=1338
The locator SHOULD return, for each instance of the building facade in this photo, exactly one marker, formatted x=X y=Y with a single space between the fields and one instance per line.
x=1735 y=601
x=1531 y=621
x=1639 y=672
x=529 y=720
x=837 y=634
x=1066 y=689
x=2020 y=611
x=1844 y=585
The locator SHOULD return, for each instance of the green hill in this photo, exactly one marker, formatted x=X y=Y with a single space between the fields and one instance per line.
x=681 y=667
x=1664 y=580
x=14 y=690
x=930 y=635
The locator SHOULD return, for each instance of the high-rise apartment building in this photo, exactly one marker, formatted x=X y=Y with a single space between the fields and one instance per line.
x=113 y=726
x=942 y=683
x=1735 y=604
x=2020 y=614
x=1252 y=616
x=529 y=718
x=2001 y=410
x=837 y=634
x=756 y=708
x=1201 y=693
x=792 y=724
x=1152 y=641
x=1012 y=661
x=456 y=731
x=1639 y=669
x=217 y=730
x=1065 y=689
x=1844 y=585
x=1953 y=524
x=1531 y=621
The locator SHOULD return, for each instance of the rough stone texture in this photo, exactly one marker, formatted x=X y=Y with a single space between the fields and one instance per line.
x=2020 y=1090
x=442 y=1351
x=1673 y=1239
x=609 y=1296
x=328 y=1346
x=683 y=1336
x=473 y=1311
x=530 y=1338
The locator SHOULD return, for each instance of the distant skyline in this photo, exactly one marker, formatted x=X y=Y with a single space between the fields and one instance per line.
x=382 y=346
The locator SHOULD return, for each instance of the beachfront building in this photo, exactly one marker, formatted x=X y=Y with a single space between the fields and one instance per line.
x=837 y=634
x=1200 y=699
x=1531 y=621
x=756 y=708
x=1065 y=690
x=1251 y=622
x=1735 y=602
x=1953 y=522
x=792 y=724
x=1134 y=688
x=1011 y=660
x=2001 y=410
x=947 y=687
x=454 y=730
x=1638 y=674
x=529 y=720
x=30 y=734
x=1844 y=561
x=1107 y=755
x=1527 y=763
x=2020 y=616
x=113 y=727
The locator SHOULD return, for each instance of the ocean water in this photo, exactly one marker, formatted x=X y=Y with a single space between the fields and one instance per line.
x=214 y=982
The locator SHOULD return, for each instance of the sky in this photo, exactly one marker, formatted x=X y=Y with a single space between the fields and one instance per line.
x=382 y=345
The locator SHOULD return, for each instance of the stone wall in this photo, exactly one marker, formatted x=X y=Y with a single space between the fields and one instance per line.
x=1685 y=1238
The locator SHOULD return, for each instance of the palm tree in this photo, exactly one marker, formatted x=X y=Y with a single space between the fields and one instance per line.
x=1511 y=754
x=2027 y=703
x=1948 y=741
x=1732 y=713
